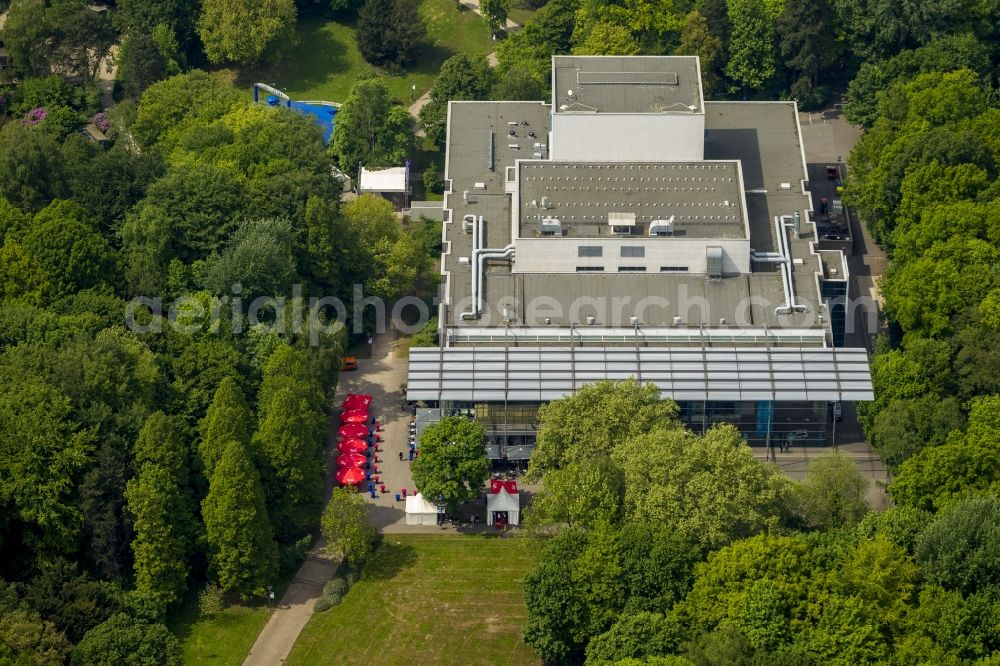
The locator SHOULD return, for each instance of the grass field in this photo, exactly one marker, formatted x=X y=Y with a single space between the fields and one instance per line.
x=224 y=639
x=428 y=599
x=326 y=62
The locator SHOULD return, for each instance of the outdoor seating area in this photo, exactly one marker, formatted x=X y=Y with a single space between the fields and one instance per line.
x=358 y=448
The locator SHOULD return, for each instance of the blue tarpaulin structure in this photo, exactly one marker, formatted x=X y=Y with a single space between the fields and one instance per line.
x=323 y=113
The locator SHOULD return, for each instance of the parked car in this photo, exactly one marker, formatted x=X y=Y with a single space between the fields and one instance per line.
x=349 y=363
x=832 y=172
x=824 y=205
x=834 y=237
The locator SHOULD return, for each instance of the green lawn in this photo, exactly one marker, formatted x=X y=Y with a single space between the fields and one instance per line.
x=327 y=62
x=428 y=599
x=225 y=639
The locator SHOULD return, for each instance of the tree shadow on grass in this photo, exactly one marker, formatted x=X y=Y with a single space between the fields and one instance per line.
x=391 y=558
x=319 y=54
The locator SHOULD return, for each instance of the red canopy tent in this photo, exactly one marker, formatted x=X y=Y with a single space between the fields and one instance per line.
x=355 y=416
x=351 y=460
x=353 y=446
x=350 y=476
x=353 y=430
x=357 y=401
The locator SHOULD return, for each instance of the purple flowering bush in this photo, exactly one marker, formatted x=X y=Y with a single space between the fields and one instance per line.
x=102 y=121
x=35 y=116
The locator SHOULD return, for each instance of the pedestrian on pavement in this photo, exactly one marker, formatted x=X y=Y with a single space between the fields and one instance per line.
x=400 y=455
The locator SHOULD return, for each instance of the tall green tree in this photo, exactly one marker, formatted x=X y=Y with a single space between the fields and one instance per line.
x=960 y=548
x=161 y=442
x=162 y=521
x=698 y=40
x=585 y=494
x=259 y=256
x=808 y=43
x=24 y=34
x=390 y=32
x=751 y=44
x=289 y=439
x=373 y=129
x=242 y=552
x=227 y=419
x=346 y=526
x=496 y=12
x=246 y=31
x=452 y=465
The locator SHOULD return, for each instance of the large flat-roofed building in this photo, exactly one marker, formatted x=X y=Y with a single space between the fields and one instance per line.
x=628 y=228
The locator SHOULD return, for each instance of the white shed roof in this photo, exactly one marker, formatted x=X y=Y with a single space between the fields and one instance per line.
x=385 y=180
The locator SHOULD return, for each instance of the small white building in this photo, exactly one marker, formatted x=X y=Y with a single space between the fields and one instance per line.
x=384 y=181
x=421 y=512
x=503 y=504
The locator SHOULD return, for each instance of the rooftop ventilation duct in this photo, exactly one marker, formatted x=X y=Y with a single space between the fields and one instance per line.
x=550 y=226
x=662 y=227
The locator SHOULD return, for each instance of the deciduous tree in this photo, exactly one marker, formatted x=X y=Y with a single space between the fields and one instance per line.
x=242 y=553
x=709 y=488
x=346 y=527
x=832 y=496
x=596 y=419
x=496 y=12
x=227 y=419
x=452 y=465
x=289 y=439
x=246 y=31
x=460 y=78
x=163 y=531
x=123 y=639
x=751 y=44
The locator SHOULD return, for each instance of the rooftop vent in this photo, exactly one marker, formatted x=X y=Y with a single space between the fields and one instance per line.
x=662 y=227
x=550 y=226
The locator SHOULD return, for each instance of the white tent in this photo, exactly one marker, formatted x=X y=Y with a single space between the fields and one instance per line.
x=384 y=180
x=419 y=511
x=504 y=501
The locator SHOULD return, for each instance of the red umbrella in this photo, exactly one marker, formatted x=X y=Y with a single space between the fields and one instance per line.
x=357 y=401
x=353 y=446
x=353 y=430
x=355 y=416
x=350 y=476
x=351 y=460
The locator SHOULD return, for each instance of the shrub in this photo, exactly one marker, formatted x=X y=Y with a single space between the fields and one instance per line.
x=335 y=586
x=291 y=557
x=322 y=605
x=210 y=600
